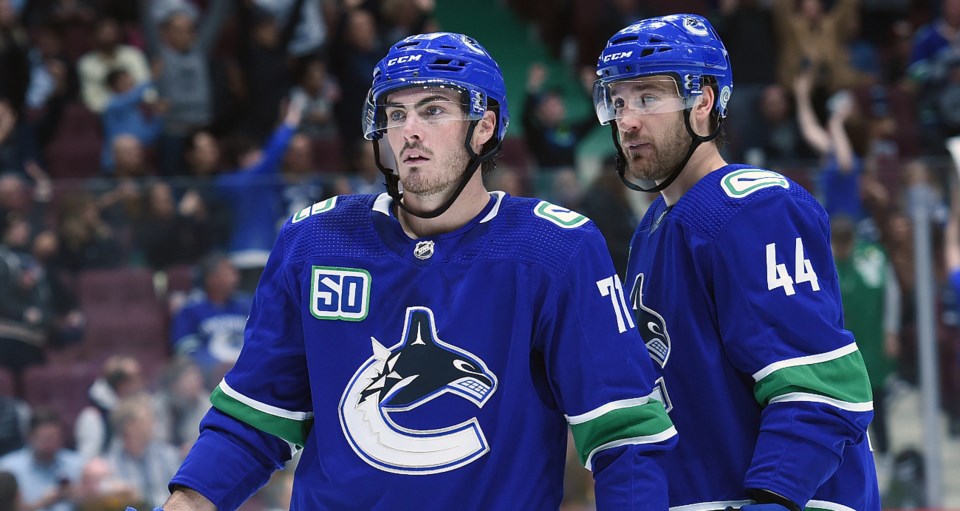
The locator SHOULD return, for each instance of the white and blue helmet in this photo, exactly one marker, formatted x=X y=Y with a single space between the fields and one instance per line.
x=683 y=46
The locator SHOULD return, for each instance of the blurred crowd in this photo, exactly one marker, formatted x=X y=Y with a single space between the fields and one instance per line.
x=156 y=146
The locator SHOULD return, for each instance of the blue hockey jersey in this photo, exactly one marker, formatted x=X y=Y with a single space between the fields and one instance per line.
x=736 y=295
x=437 y=373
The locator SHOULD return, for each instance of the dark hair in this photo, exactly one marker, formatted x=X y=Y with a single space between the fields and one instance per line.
x=43 y=417
x=114 y=76
x=489 y=165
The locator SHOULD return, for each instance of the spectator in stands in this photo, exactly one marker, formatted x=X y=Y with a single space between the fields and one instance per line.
x=202 y=155
x=30 y=203
x=46 y=472
x=871 y=307
x=14 y=419
x=310 y=33
x=842 y=144
x=181 y=401
x=941 y=33
x=813 y=38
x=746 y=27
x=132 y=109
x=606 y=203
x=265 y=63
x=170 y=233
x=120 y=377
x=209 y=327
x=53 y=82
x=109 y=54
x=25 y=302
x=354 y=51
x=302 y=185
x=9 y=492
x=100 y=488
x=137 y=456
x=402 y=18
x=17 y=143
x=779 y=138
x=255 y=194
x=86 y=240
x=319 y=93
x=69 y=322
x=362 y=176
x=180 y=47
x=551 y=137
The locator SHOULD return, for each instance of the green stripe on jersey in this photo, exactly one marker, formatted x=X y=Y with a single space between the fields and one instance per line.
x=292 y=430
x=843 y=379
x=633 y=422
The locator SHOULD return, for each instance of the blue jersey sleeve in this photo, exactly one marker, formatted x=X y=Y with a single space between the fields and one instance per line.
x=602 y=379
x=779 y=312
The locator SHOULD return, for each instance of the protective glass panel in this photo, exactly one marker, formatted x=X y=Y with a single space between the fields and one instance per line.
x=639 y=96
x=440 y=104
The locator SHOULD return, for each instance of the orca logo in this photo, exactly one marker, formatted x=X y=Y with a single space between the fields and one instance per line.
x=419 y=368
x=653 y=328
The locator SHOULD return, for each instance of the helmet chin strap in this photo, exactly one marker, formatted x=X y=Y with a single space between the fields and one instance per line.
x=392 y=178
x=695 y=142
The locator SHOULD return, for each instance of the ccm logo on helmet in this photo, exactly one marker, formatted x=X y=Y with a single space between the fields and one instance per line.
x=616 y=56
x=405 y=58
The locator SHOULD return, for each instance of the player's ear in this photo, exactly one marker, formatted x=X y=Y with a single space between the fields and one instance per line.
x=702 y=110
x=484 y=130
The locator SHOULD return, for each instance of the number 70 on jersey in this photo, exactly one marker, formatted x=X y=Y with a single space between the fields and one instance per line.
x=778 y=276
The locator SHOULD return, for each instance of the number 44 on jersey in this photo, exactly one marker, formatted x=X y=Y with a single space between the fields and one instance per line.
x=778 y=276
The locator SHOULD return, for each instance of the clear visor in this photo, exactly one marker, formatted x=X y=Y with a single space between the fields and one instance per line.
x=429 y=104
x=640 y=96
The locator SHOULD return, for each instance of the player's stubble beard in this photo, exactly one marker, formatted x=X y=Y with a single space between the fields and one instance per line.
x=669 y=148
x=438 y=178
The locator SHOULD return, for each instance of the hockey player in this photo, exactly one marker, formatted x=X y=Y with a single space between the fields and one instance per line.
x=429 y=349
x=735 y=292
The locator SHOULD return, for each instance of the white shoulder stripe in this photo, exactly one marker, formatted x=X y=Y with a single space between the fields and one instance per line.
x=816 y=398
x=638 y=440
x=263 y=407
x=609 y=407
x=496 y=207
x=712 y=506
x=807 y=360
x=831 y=506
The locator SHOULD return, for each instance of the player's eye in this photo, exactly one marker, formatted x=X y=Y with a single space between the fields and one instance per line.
x=433 y=111
x=618 y=104
x=397 y=116
x=648 y=100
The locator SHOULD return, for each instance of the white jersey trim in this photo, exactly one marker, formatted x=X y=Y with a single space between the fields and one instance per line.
x=816 y=398
x=263 y=407
x=609 y=407
x=832 y=506
x=648 y=439
x=496 y=207
x=807 y=360
x=712 y=506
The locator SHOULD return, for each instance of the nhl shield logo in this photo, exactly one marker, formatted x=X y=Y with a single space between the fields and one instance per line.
x=423 y=250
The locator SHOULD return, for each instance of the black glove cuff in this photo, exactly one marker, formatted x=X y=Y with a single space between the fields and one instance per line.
x=769 y=497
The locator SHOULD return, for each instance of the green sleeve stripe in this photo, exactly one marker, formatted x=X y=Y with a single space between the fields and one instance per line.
x=840 y=380
x=641 y=424
x=290 y=426
x=800 y=361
